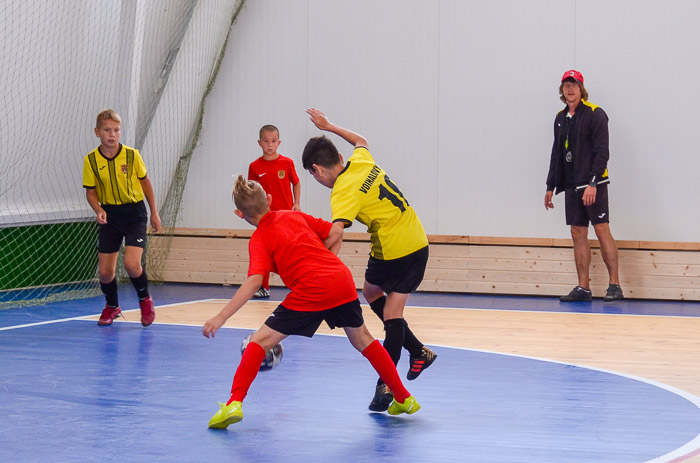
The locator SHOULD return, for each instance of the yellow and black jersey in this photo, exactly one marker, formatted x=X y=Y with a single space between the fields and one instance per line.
x=116 y=180
x=363 y=191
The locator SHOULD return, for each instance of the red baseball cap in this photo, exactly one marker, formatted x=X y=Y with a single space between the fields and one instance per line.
x=577 y=76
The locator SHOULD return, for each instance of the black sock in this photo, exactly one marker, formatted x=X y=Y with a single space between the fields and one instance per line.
x=110 y=292
x=393 y=340
x=141 y=285
x=378 y=307
x=411 y=342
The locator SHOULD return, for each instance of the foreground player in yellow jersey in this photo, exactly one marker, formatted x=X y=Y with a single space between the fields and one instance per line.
x=116 y=182
x=399 y=254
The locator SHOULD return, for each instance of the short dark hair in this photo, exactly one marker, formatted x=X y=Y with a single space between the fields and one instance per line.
x=320 y=151
x=269 y=128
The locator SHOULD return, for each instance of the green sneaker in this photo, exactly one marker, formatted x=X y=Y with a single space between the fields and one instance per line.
x=409 y=406
x=227 y=414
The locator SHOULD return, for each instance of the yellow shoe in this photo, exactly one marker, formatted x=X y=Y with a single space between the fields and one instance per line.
x=409 y=406
x=227 y=414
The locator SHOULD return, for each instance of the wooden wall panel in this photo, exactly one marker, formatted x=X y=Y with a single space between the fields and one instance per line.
x=493 y=265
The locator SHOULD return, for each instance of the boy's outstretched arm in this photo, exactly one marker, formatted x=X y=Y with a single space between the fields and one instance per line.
x=321 y=121
x=243 y=295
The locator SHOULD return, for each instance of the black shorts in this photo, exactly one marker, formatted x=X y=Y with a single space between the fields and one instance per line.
x=290 y=322
x=402 y=275
x=579 y=215
x=127 y=223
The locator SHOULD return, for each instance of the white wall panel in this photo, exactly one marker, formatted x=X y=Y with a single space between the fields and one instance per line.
x=262 y=81
x=642 y=65
x=457 y=100
x=376 y=74
x=500 y=63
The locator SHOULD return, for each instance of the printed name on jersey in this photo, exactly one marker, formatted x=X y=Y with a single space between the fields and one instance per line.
x=369 y=181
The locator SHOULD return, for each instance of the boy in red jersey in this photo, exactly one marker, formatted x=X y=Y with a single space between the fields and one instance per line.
x=296 y=246
x=278 y=177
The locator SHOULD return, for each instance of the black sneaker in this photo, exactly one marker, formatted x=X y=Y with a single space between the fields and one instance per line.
x=577 y=294
x=614 y=293
x=262 y=293
x=382 y=398
x=418 y=364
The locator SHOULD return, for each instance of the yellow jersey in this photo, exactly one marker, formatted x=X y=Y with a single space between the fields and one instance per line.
x=364 y=192
x=116 y=180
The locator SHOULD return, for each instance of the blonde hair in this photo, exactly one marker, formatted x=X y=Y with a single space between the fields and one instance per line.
x=107 y=115
x=249 y=197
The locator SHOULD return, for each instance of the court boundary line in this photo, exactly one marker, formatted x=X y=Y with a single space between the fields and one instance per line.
x=689 y=449
x=493 y=310
x=89 y=316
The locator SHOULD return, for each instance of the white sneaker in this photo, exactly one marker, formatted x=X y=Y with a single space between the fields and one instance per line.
x=262 y=293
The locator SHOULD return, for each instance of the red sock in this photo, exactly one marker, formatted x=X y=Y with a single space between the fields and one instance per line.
x=246 y=372
x=381 y=361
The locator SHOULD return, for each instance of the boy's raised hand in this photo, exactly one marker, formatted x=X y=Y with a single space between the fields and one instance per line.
x=318 y=118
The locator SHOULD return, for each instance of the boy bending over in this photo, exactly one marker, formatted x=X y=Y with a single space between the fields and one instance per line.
x=296 y=246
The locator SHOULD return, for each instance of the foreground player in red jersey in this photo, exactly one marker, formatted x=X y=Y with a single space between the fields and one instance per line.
x=296 y=246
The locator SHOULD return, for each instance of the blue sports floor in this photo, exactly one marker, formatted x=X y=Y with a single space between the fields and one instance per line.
x=73 y=392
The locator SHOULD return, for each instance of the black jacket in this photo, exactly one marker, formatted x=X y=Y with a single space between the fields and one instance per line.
x=588 y=143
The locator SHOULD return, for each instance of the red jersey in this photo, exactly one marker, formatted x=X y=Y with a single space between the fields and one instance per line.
x=276 y=178
x=289 y=243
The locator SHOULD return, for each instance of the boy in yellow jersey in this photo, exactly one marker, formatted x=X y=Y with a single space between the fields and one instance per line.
x=399 y=254
x=116 y=182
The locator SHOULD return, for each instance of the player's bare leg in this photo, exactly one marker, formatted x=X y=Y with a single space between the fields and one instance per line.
x=608 y=249
x=582 y=255
x=582 y=258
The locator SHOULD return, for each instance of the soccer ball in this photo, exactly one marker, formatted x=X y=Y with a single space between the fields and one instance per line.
x=272 y=357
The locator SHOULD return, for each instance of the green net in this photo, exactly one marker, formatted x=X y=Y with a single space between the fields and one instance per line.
x=154 y=62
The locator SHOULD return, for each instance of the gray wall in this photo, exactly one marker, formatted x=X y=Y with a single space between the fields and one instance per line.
x=457 y=100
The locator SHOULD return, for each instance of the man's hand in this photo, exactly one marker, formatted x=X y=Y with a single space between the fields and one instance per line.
x=589 y=195
x=548 y=204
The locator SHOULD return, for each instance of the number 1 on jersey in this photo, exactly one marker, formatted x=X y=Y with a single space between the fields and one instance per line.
x=397 y=201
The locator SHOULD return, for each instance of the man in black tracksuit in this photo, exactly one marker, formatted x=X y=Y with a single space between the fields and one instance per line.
x=578 y=166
